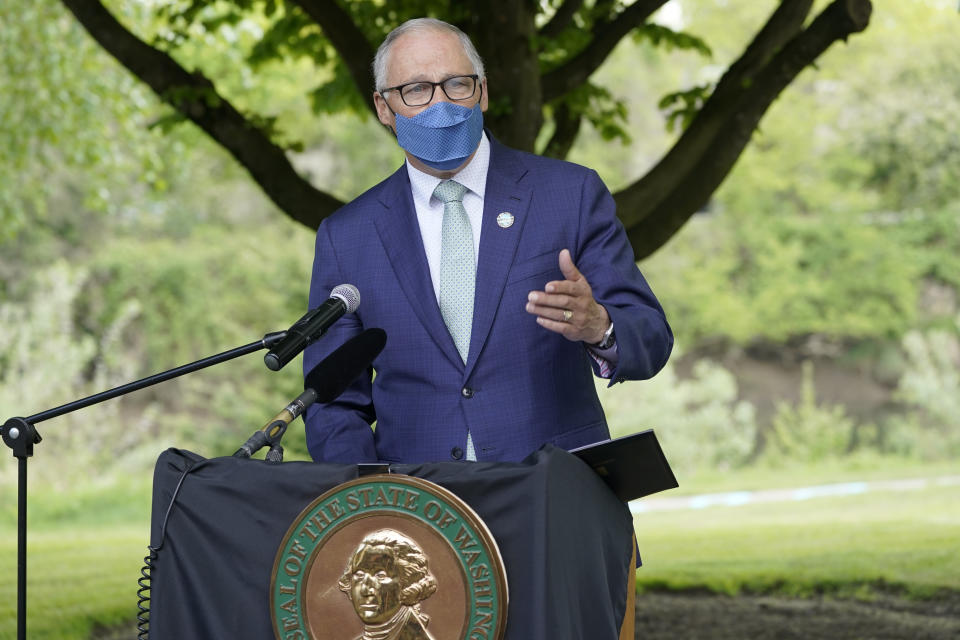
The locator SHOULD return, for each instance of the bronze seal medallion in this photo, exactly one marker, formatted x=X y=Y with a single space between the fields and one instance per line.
x=388 y=557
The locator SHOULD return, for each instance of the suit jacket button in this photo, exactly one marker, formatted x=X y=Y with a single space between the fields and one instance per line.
x=467 y=392
x=456 y=453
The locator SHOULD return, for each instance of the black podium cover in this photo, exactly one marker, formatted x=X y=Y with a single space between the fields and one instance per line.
x=565 y=538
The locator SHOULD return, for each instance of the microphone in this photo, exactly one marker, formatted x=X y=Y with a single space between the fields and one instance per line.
x=343 y=299
x=325 y=382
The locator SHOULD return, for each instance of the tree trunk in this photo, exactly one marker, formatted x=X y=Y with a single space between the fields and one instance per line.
x=504 y=33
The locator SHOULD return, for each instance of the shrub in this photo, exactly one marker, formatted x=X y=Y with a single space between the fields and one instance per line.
x=930 y=389
x=808 y=431
x=698 y=420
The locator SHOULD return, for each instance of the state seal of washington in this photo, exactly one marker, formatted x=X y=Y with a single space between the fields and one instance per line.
x=388 y=557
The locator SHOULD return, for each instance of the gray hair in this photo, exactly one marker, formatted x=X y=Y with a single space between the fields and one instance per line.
x=421 y=24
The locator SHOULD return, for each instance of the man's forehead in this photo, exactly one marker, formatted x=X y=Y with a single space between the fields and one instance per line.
x=428 y=36
x=427 y=54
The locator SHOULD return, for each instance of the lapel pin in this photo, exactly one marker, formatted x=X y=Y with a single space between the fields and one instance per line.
x=505 y=219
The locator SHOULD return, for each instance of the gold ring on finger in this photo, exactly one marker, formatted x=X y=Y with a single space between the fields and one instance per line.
x=567 y=314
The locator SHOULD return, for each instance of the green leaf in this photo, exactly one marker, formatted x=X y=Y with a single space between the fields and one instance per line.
x=662 y=36
x=682 y=106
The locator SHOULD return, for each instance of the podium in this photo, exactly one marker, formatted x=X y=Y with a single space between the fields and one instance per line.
x=565 y=538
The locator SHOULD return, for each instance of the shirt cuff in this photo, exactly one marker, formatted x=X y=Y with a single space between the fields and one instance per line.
x=606 y=359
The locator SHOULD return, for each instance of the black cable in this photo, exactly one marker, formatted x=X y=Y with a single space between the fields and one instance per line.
x=143 y=595
x=146 y=572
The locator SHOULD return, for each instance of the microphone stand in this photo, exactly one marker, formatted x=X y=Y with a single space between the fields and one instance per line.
x=21 y=435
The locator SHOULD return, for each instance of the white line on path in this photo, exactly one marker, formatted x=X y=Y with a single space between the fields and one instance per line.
x=739 y=498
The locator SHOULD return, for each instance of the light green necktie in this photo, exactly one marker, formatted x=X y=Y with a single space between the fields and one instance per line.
x=458 y=272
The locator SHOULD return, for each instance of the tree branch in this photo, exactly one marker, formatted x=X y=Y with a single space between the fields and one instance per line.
x=567 y=127
x=561 y=19
x=725 y=101
x=348 y=40
x=606 y=35
x=785 y=23
x=195 y=97
x=660 y=203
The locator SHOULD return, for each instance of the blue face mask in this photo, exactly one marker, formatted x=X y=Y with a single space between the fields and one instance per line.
x=442 y=136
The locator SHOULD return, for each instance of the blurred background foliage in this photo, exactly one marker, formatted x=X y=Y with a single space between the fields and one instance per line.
x=815 y=301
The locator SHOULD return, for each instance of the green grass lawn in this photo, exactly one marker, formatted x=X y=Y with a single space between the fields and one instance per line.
x=86 y=545
x=77 y=577
x=901 y=541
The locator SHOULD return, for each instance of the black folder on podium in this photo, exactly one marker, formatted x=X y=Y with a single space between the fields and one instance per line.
x=632 y=466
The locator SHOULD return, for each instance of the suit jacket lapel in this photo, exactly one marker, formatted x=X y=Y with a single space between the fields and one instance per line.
x=400 y=235
x=498 y=245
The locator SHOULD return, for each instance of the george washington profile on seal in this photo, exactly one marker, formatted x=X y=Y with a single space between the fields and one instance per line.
x=386 y=579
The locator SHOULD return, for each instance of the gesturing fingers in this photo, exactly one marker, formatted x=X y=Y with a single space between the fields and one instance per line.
x=544 y=300
x=575 y=317
x=567 y=306
x=560 y=308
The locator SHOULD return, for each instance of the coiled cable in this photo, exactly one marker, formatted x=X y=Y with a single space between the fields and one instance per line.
x=149 y=562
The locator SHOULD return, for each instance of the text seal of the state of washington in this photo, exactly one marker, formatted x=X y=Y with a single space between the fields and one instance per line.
x=388 y=556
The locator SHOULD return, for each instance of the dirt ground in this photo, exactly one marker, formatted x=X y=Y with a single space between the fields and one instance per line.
x=701 y=616
x=711 y=617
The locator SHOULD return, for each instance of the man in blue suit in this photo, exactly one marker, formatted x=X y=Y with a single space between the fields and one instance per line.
x=504 y=282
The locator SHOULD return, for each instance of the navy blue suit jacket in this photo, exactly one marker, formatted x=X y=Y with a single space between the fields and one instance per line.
x=522 y=385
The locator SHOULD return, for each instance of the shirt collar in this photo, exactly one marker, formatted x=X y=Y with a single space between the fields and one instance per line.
x=473 y=176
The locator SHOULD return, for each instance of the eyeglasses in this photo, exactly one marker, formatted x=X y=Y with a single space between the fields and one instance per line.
x=417 y=94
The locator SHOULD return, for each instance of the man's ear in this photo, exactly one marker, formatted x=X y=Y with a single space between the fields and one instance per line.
x=384 y=114
x=484 y=95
